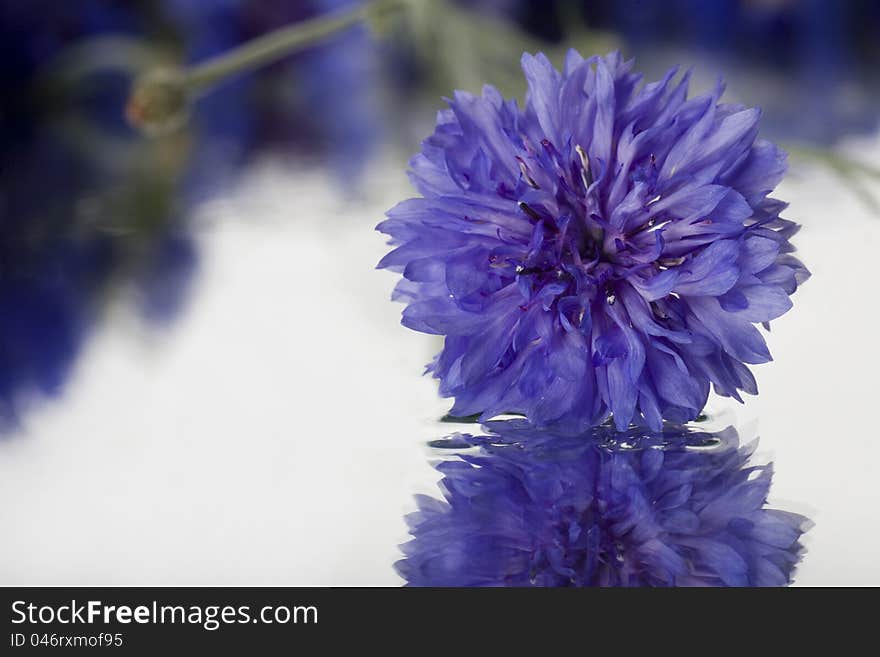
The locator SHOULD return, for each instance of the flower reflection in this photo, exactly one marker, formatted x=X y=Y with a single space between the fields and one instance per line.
x=528 y=507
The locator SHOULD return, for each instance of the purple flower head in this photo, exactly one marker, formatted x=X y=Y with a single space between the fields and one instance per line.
x=605 y=250
x=641 y=508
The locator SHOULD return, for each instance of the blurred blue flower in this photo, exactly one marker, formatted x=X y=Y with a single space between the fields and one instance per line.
x=811 y=64
x=527 y=507
x=87 y=203
x=605 y=250
x=541 y=18
x=47 y=268
x=75 y=212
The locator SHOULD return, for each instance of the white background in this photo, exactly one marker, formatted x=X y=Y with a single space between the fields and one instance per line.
x=276 y=432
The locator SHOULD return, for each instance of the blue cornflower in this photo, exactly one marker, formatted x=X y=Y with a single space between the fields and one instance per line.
x=607 y=249
x=677 y=507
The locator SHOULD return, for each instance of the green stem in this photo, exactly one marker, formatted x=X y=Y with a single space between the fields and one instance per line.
x=279 y=43
x=160 y=98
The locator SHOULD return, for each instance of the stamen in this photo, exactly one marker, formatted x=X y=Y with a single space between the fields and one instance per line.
x=525 y=173
x=528 y=210
x=586 y=175
x=658 y=312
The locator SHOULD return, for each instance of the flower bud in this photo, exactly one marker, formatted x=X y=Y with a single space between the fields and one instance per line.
x=159 y=102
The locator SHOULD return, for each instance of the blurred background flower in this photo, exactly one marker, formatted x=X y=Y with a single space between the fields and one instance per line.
x=90 y=208
x=83 y=198
x=526 y=507
x=810 y=64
